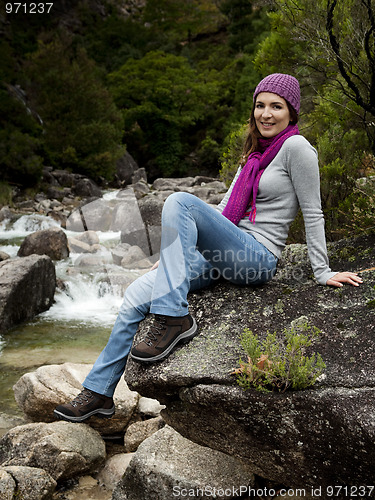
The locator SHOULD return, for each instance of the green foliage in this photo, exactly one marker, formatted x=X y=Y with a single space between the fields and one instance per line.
x=83 y=128
x=162 y=97
x=20 y=142
x=247 y=24
x=278 y=365
x=5 y=194
x=232 y=153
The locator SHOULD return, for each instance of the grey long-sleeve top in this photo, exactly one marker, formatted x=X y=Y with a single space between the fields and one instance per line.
x=290 y=181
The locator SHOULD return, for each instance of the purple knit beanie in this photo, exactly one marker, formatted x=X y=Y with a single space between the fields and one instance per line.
x=285 y=86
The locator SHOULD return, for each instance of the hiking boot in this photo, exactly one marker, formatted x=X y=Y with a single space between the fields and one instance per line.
x=86 y=404
x=163 y=336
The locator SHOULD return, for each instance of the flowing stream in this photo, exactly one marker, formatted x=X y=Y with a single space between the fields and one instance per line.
x=77 y=326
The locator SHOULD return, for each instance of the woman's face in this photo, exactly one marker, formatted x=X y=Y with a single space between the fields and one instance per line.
x=271 y=114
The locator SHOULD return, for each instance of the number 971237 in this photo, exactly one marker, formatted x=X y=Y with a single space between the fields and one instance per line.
x=28 y=8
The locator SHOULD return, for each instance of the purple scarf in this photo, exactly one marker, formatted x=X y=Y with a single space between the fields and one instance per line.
x=246 y=186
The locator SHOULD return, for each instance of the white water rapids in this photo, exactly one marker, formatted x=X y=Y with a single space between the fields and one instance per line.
x=85 y=307
x=85 y=298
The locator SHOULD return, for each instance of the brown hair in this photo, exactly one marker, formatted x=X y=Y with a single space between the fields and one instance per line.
x=251 y=142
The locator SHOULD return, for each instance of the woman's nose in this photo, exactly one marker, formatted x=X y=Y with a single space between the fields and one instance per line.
x=266 y=112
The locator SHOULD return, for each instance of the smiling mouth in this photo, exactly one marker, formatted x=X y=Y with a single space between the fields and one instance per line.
x=267 y=125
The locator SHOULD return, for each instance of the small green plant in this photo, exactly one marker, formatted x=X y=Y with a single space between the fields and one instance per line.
x=274 y=365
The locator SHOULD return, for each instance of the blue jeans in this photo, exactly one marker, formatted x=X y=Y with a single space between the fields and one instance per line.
x=198 y=244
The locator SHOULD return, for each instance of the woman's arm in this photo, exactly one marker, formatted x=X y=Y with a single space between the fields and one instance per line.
x=303 y=170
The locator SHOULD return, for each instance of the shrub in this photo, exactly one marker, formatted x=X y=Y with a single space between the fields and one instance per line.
x=274 y=365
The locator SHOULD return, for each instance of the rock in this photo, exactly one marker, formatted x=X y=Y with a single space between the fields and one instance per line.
x=133 y=256
x=172 y=184
x=149 y=407
x=89 y=260
x=58 y=193
x=27 y=287
x=140 y=189
x=151 y=208
x=77 y=246
x=137 y=432
x=139 y=175
x=64 y=178
x=87 y=242
x=4 y=256
x=86 y=188
x=62 y=449
x=114 y=469
x=28 y=483
x=119 y=252
x=95 y=215
x=126 y=166
x=52 y=242
x=8 y=422
x=300 y=438
x=6 y=214
x=167 y=465
x=38 y=393
x=7 y=485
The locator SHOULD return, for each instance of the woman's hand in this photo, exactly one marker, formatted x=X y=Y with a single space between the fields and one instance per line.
x=155 y=265
x=346 y=277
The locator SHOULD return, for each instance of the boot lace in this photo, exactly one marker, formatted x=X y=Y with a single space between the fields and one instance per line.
x=155 y=330
x=82 y=398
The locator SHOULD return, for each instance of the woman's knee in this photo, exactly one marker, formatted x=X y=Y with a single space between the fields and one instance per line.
x=139 y=292
x=177 y=199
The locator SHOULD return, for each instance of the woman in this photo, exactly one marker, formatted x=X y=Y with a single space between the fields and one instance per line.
x=241 y=241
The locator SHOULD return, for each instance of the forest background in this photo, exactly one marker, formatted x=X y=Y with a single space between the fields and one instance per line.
x=172 y=81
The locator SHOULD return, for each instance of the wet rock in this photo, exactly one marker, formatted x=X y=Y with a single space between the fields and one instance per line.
x=167 y=465
x=52 y=242
x=4 y=256
x=89 y=237
x=114 y=469
x=62 y=449
x=38 y=393
x=87 y=242
x=27 y=288
x=119 y=252
x=6 y=214
x=28 y=483
x=297 y=438
x=137 y=432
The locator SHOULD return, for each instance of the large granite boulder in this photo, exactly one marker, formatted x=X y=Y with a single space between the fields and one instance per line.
x=52 y=242
x=166 y=465
x=27 y=287
x=29 y=483
x=126 y=167
x=62 y=449
x=38 y=393
x=317 y=437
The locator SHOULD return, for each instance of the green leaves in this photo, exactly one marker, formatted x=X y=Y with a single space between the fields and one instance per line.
x=161 y=97
x=278 y=365
x=83 y=128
